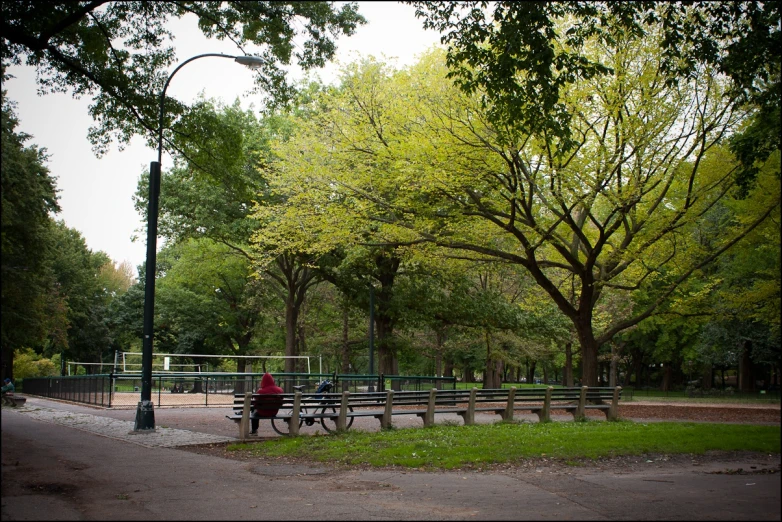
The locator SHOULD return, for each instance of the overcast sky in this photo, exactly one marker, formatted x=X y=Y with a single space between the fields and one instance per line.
x=96 y=194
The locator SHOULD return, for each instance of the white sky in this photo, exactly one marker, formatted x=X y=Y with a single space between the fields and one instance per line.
x=96 y=194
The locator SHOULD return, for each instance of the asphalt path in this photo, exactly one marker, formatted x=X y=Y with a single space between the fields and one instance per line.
x=80 y=466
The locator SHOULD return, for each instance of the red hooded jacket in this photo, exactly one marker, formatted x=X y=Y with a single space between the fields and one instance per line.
x=268 y=388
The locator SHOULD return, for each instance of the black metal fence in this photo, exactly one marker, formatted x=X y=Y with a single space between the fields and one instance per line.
x=87 y=389
x=181 y=390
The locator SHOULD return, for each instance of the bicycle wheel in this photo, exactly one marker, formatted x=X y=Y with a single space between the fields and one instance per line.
x=282 y=426
x=331 y=424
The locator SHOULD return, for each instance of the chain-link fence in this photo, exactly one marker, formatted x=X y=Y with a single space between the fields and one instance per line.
x=182 y=390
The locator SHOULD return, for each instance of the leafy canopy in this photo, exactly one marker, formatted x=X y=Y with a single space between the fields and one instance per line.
x=120 y=52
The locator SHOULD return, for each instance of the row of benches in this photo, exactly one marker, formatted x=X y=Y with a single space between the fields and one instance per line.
x=341 y=409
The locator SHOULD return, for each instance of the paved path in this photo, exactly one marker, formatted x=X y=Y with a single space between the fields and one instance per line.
x=119 y=429
x=60 y=462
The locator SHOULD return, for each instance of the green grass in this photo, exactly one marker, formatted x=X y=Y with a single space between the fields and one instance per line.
x=449 y=447
x=702 y=400
x=506 y=385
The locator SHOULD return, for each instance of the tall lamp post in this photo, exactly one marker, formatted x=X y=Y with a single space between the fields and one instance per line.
x=145 y=413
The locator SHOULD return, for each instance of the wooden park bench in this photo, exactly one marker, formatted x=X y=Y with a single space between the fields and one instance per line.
x=10 y=399
x=341 y=408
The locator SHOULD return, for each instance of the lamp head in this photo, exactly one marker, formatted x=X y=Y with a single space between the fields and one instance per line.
x=253 y=62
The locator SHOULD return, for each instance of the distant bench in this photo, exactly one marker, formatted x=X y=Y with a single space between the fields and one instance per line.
x=342 y=408
x=14 y=400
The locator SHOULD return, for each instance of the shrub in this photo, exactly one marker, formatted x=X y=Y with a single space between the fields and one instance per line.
x=27 y=364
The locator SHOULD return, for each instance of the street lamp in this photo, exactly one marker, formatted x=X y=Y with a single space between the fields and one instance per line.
x=145 y=414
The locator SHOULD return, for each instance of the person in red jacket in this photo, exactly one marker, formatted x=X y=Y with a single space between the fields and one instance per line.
x=266 y=407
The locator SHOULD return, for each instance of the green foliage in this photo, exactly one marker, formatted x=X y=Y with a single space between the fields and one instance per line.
x=402 y=159
x=209 y=301
x=522 y=58
x=27 y=363
x=31 y=307
x=455 y=447
x=120 y=52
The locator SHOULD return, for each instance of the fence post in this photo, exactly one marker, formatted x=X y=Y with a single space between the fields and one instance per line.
x=342 y=420
x=613 y=412
x=244 y=424
x=381 y=383
x=580 y=412
x=388 y=412
x=508 y=415
x=469 y=416
x=429 y=417
x=111 y=387
x=294 y=420
x=544 y=415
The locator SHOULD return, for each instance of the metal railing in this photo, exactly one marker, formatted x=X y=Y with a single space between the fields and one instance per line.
x=183 y=390
x=85 y=389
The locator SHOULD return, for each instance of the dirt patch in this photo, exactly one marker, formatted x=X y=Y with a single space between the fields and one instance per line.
x=699 y=413
x=51 y=488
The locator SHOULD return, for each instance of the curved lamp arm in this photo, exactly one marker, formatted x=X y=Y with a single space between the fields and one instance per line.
x=250 y=61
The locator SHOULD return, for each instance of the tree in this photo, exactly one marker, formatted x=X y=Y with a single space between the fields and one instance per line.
x=120 y=52
x=30 y=307
x=80 y=276
x=424 y=164
x=211 y=191
x=521 y=59
x=212 y=304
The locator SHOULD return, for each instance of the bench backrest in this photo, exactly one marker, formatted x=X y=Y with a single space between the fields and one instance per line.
x=421 y=398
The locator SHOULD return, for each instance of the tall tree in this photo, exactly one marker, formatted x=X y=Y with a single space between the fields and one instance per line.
x=81 y=282
x=31 y=309
x=212 y=303
x=211 y=191
x=614 y=211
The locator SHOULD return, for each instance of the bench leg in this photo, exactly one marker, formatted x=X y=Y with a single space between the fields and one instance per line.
x=612 y=413
x=244 y=424
x=469 y=415
x=579 y=413
x=385 y=420
x=429 y=416
x=507 y=415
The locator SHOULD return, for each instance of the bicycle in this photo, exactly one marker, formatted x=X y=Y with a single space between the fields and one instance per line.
x=283 y=427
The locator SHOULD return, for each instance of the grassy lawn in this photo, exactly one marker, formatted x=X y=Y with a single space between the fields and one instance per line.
x=703 y=400
x=450 y=446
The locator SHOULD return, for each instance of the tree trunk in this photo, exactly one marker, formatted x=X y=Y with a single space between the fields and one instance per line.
x=198 y=385
x=448 y=372
x=387 y=363
x=345 y=352
x=545 y=374
x=614 y=363
x=531 y=372
x=746 y=374
x=567 y=374
x=667 y=374
x=291 y=318
x=589 y=349
x=301 y=348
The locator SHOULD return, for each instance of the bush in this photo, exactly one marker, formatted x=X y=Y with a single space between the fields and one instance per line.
x=27 y=363
x=696 y=391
